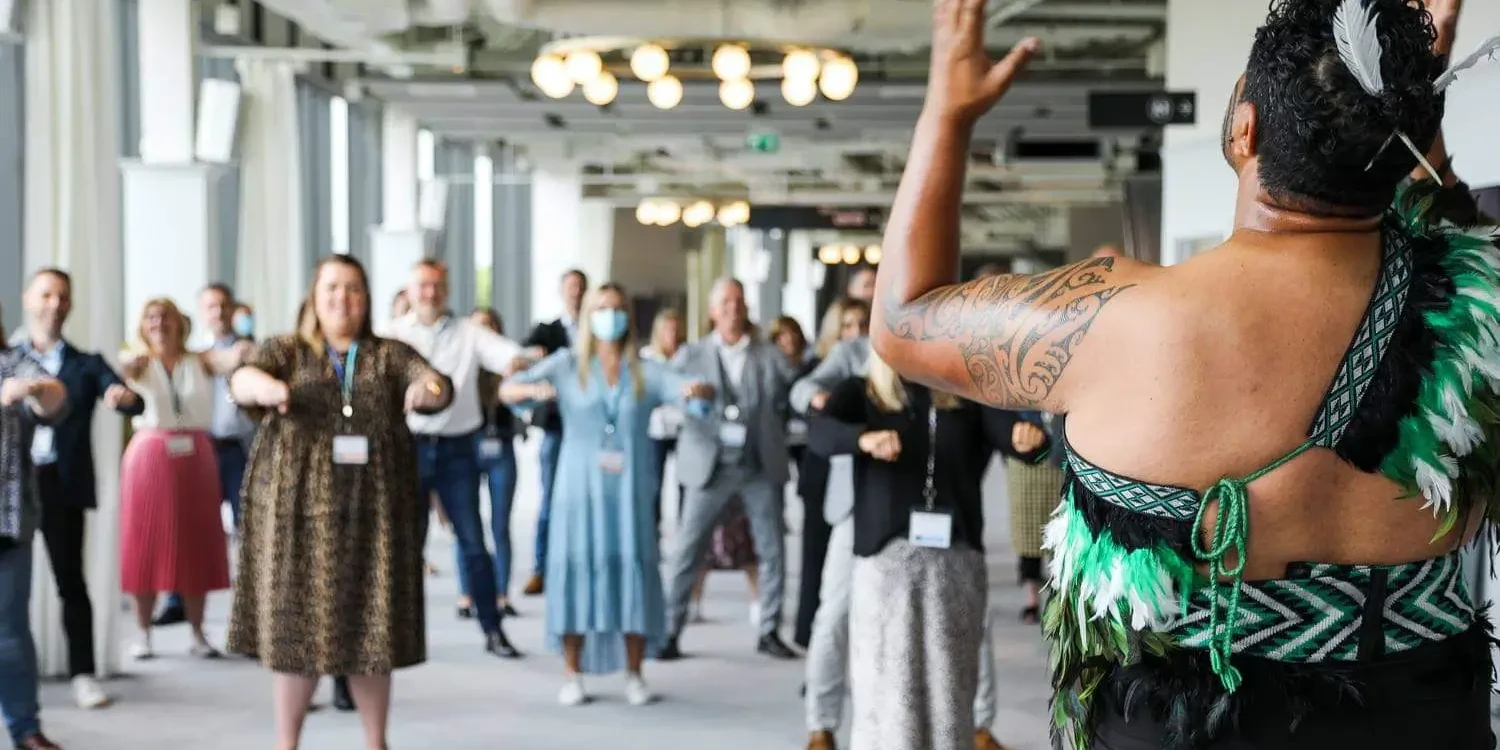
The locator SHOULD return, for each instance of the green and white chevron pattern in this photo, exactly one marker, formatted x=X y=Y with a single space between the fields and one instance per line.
x=1368 y=347
x=1319 y=618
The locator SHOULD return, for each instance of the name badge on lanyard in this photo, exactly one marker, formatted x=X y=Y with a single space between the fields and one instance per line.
x=348 y=450
x=612 y=453
x=732 y=430
x=931 y=526
x=170 y=376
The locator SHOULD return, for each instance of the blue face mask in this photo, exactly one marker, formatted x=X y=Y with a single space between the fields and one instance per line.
x=244 y=326
x=608 y=325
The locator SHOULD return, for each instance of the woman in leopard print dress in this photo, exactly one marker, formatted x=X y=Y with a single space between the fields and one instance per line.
x=330 y=572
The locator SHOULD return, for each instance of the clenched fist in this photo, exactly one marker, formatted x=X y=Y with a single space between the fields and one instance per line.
x=117 y=396
x=882 y=445
x=16 y=390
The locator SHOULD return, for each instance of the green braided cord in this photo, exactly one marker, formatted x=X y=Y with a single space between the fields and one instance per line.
x=1231 y=534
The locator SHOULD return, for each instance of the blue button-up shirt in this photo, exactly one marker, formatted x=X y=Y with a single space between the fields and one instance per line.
x=43 y=441
x=229 y=422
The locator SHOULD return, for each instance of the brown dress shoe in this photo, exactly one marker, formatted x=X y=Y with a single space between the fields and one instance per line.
x=821 y=740
x=983 y=740
x=533 y=586
x=38 y=741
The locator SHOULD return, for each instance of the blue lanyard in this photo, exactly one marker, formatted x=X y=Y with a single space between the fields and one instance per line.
x=345 y=374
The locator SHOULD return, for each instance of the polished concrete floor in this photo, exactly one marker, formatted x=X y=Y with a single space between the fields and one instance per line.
x=724 y=697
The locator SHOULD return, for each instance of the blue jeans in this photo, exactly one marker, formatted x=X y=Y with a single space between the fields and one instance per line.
x=500 y=472
x=231 y=454
x=551 y=448
x=18 y=677
x=450 y=467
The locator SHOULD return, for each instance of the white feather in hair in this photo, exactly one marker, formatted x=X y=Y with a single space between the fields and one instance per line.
x=1359 y=44
x=1488 y=49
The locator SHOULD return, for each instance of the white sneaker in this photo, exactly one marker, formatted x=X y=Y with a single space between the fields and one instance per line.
x=88 y=694
x=201 y=650
x=141 y=650
x=637 y=693
x=572 y=693
x=755 y=614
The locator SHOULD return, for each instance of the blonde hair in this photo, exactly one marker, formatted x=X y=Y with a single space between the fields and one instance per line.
x=168 y=309
x=831 y=329
x=309 y=329
x=587 y=343
x=885 y=389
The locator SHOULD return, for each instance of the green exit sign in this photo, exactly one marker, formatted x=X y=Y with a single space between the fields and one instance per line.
x=765 y=143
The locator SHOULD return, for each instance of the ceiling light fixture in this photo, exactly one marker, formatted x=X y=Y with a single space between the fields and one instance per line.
x=584 y=65
x=839 y=78
x=649 y=62
x=829 y=254
x=665 y=92
x=602 y=90
x=737 y=94
x=667 y=213
x=851 y=254
x=731 y=62
x=734 y=214
x=645 y=212
x=801 y=64
x=698 y=214
x=550 y=74
x=873 y=254
x=799 y=92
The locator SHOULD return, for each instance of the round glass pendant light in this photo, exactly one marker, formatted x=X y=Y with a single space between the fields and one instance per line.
x=667 y=213
x=829 y=254
x=698 y=214
x=645 y=212
x=737 y=94
x=839 y=78
x=584 y=65
x=800 y=64
x=665 y=92
x=731 y=62
x=649 y=62
x=851 y=254
x=799 y=92
x=602 y=90
x=734 y=214
x=873 y=254
x=550 y=74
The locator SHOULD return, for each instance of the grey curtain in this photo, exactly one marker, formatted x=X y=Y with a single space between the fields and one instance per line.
x=12 y=177
x=454 y=161
x=510 y=264
x=366 y=170
x=313 y=115
x=1142 y=216
x=227 y=189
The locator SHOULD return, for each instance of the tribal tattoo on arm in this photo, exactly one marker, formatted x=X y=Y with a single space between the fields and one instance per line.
x=1015 y=334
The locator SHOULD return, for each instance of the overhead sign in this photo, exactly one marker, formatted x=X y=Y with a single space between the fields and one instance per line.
x=816 y=217
x=1142 y=109
x=764 y=143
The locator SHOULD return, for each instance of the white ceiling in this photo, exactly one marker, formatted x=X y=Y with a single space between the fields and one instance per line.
x=847 y=152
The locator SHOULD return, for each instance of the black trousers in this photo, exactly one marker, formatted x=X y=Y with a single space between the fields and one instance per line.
x=63 y=529
x=812 y=485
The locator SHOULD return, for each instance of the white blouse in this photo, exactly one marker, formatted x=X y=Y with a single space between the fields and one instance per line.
x=182 y=400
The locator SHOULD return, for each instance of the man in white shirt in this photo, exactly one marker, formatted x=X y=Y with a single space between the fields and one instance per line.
x=448 y=442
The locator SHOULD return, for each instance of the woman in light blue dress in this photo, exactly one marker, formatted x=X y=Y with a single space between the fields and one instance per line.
x=605 y=606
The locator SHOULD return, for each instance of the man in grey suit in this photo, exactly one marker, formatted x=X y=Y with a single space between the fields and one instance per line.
x=738 y=448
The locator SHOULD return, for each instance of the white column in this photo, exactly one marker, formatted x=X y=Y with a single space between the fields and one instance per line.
x=72 y=221
x=1207 y=46
x=567 y=231
x=168 y=36
x=398 y=243
x=171 y=225
x=804 y=277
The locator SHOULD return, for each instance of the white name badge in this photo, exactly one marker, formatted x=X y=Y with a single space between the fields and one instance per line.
x=732 y=434
x=351 y=450
x=41 y=442
x=489 y=448
x=180 y=445
x=612 y=462
x=931 y=529
x=796 y=428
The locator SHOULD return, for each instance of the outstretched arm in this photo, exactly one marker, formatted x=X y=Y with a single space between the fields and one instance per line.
x=1004 y=341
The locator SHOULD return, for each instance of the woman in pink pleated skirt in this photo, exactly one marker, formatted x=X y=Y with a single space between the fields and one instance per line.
x=171 y=532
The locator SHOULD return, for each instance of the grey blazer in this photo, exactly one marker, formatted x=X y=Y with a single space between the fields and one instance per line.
x=849 y=359
x=765 y=383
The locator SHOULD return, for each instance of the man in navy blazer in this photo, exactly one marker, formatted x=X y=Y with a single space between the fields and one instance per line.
x=64 y=459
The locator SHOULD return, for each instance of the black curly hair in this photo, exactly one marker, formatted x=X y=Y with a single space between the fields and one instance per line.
x=1317 y=128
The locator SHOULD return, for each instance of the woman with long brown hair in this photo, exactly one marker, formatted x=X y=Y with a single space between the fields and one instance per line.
x=171 y=532
x=605 y=606
x=330 y=573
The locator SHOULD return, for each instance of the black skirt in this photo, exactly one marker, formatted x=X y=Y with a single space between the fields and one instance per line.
x=1435 y=697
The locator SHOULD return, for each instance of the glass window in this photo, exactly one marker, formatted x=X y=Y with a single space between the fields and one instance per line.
x=338 y=165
